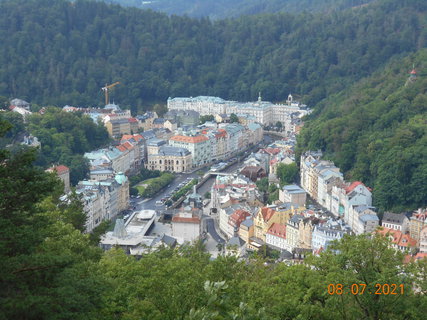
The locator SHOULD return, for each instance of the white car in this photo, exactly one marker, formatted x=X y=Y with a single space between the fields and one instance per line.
x=159 y=203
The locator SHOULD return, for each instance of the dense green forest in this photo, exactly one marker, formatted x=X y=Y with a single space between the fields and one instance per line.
x=59 y=52
x=220 y=9
x=376 y=131
x=64 y=138
x=50 y=270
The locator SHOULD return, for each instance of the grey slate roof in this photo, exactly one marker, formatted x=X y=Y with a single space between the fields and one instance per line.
x=236 y=241
x=395 y=218
x=154 y=142
x=173 y=151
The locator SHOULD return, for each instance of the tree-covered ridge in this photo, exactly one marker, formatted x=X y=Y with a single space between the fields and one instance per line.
x=377 y=132
x=220 y=9
x=57 y=52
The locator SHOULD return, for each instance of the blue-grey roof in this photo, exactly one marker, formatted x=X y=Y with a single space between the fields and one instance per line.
x=112 y=106
x=113 y=153
x=154 y=142
x=118 y=121
x=396 y=218
x=236 y=241
x=169 y=241
x=148 y=134
x=173 y=151
x=248 y=223
x=158 y=121
x=293 y=188
x=369 y=217
x=296 y=218
x=253 y=126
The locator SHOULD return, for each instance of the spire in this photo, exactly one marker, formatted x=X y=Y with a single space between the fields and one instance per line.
x=259 y=96
x=119 y=229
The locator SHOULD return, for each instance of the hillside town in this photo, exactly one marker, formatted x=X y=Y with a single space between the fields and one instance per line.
x=234 y=216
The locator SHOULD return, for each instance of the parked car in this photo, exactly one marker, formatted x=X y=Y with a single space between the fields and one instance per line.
x=159 y=203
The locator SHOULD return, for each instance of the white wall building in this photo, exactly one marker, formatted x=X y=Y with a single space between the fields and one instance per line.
x=186 y=226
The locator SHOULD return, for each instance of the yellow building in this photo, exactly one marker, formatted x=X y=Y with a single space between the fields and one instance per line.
x=268 y=215
x=246 y=230
x=262 y=222
x=172 y=159
x=119 y=127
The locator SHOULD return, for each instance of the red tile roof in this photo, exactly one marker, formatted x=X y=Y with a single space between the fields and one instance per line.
x=272 y=151
x=127 y=145
x=397 y=237
x=179 y=219
x=59 y=169
x=267 y=213
x=353 y=185
x=121 y=148
x=237 y=217
x=278 y=230
x=132 y=120
x=187 y=139
x=126 y=137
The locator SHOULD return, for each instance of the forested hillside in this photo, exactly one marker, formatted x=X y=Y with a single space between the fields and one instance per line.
x=58 y=52
x=377 y=132
x=220 y=9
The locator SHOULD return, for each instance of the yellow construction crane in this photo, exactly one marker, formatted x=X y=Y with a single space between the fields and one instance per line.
x=106 y=89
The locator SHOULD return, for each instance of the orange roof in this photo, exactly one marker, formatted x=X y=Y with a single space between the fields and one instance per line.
x=419 y=256
x=397 y=237
x=222 y=133
x=59 y=169
x=185 y=220
x=353 y=185
x=126 y=137
x=188 y=139
x=267 y=213
x=121 y=148
x=238 y=216
x=278 y=230
x=138 y=137
x=127 y=145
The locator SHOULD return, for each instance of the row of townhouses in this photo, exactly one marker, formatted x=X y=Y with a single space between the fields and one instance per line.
x=352 y=202
x=188 y=149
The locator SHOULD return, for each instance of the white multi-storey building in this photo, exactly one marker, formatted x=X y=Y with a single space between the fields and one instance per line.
x=264 y=112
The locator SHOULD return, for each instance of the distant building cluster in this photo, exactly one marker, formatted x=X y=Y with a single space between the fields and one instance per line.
x=263 y=112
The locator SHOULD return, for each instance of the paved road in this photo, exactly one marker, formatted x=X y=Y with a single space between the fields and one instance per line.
x=210 y=224
x=151 y=203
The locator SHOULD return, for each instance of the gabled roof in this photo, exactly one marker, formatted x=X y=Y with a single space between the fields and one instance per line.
x=395 y=218
x=278 y=230
x=267 y=213
x=353 y=185
x=397 y=237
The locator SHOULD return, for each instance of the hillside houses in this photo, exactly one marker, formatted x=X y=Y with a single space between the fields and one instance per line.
x=324 y=182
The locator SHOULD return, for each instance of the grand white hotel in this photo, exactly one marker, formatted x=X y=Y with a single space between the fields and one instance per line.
x=265 y=112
